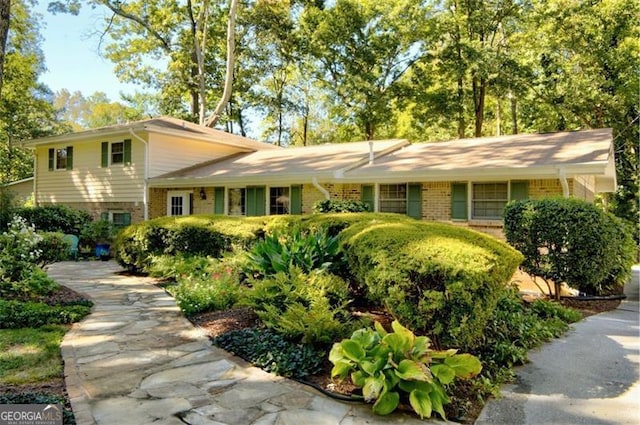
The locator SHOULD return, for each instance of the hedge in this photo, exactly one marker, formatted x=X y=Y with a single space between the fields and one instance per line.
x=207 y=235
x=56 y=218
x=572 y=241
x=436 y=278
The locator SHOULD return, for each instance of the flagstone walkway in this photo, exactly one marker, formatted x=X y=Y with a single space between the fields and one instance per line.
x=136 y=360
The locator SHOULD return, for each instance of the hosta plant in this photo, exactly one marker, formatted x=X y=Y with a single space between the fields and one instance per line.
x=390 y=366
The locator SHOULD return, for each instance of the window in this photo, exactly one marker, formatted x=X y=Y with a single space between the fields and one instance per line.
x=178 y=203
x=489 y=200
x=119 y=219
x=237 y=205
x=61 y=159
x=117 y=153
x=279 y=200
x=393 y=198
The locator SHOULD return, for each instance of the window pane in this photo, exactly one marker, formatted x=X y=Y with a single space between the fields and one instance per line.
x=279 y=200
x=237 y=201
x=117 y=153
x=119 y=219
x=489 y=200
x=177 y=205
x=61 y=158
x=393 y=198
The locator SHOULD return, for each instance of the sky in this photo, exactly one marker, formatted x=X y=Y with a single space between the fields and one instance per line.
x=71 y=54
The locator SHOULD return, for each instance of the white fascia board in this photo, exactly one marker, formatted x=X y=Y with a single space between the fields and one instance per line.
x=87 y=135
x=272 y=180
x=208 y=138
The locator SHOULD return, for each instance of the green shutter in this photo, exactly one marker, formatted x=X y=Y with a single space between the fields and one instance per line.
x=256 y=201
x=69 y=157
x=52 y=158
x=414 y=200
x=105 y=154
x=367 y=196
x=459 y=201
x=126 y=219
x=218 y=200
x=127 y=152
x=295 y=193
x=104 y=216
x=519 y=190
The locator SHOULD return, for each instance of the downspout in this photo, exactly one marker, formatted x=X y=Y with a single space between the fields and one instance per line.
x=563 y=182
x=35 y=178
x=324 y=191
x=145 y=189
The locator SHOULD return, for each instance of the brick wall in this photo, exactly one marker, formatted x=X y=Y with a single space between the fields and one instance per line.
x=584 y=187
x=97 y=208
x=436 y=201
x=546 y=188
x=157 y=202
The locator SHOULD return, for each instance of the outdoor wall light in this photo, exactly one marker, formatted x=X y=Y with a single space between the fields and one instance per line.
x=203 y=194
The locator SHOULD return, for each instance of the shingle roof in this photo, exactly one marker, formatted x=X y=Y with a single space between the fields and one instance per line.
x=162 y=124
x=517 y=153
x=318 y=161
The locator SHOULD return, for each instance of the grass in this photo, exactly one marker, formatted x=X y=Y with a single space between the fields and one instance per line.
x=30 y=355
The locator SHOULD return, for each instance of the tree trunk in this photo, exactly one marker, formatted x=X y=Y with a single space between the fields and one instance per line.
x=5 y=16
x=514 y=114
x=479 y=91
x=228 y=83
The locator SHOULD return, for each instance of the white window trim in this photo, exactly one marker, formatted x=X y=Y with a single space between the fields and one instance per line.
x=115 y=164
x=227 y=199
x=378 y=198
x=268 y=199
x=55 y=159
x=470 y=198
x=186 y=197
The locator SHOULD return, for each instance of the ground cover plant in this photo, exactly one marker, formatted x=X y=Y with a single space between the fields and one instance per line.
x=444 y=283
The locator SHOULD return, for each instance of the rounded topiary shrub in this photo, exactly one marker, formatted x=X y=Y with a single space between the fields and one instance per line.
x=436 y=278
x=572 y=241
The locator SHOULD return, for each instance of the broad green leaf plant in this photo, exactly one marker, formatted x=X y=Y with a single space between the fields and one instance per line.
x=387 y=365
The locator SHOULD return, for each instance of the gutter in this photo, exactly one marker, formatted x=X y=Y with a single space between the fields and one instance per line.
x=145 y=189
x=324 y=191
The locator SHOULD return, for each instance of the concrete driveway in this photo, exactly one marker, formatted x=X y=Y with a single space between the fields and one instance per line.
x=591 y=376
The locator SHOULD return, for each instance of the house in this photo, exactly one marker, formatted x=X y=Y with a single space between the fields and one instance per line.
x=164 y=166
x=22 y=190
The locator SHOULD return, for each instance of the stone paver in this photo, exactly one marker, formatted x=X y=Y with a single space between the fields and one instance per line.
x=136 y=360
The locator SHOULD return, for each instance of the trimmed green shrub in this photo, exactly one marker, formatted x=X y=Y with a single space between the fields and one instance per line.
x=56 y=218
x=436 y=278
x=52 y=248
x=195 y=240
x=307 y=250
x=17 y=314
x=272 y=352
x=387 y=364
x=339 y=206
x=572 y=241
x=136 y=245
x=310 y=308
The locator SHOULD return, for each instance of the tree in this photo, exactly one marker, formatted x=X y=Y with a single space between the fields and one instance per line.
x=92 y=112
x=26 y=110
x=5 y=19
x=362 y=50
